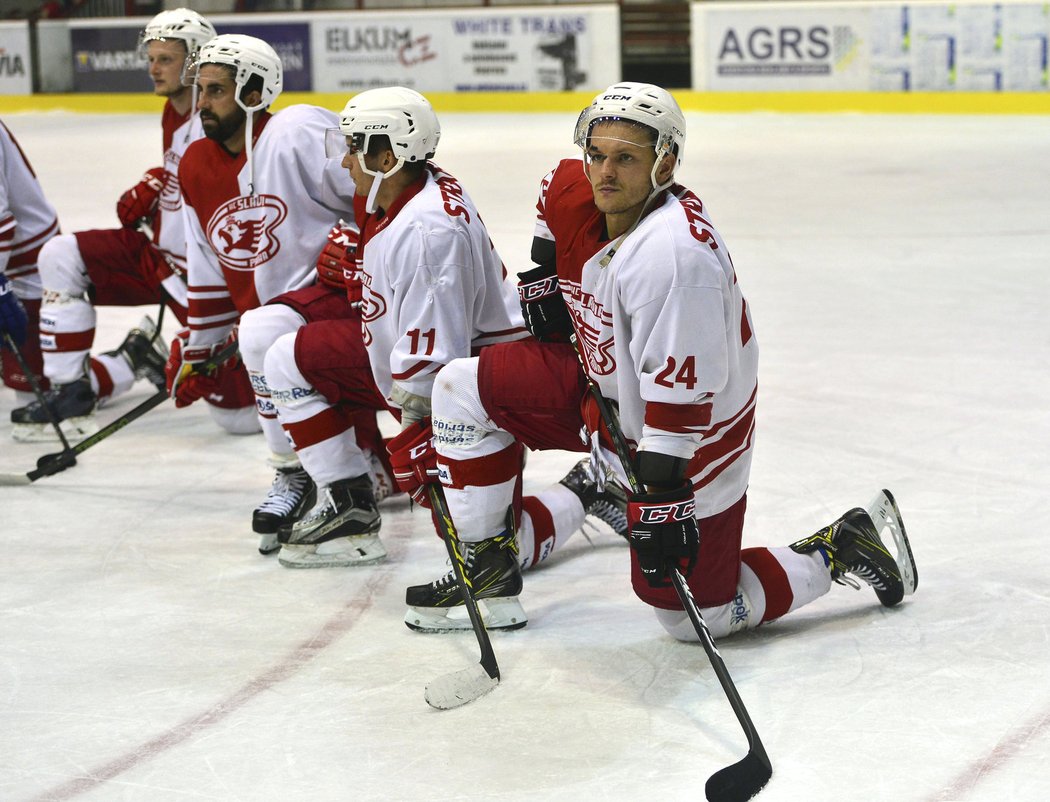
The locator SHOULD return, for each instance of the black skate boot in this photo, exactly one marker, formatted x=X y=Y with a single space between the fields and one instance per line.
x=853 y=546
x=492 y=567
x=341 y=530
x=602 y=498
x=72 y=405
x=145 y=352
x=291 y=494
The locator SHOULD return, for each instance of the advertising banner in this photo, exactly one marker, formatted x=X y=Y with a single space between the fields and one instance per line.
x=509 y=49
x=16 y=73
x=876 y=46
x=106 y=57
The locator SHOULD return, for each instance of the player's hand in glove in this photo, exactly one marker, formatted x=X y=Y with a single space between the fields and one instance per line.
x=13 y=318
x=663 y=532
x=542 y=306
x=141 y=200
x=187 y=377
x=414 y=460
x=337 y=263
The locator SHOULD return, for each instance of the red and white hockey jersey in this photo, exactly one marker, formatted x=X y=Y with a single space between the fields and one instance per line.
x=434 y=287
x=245 y=249
x=663 y=327
x=27 y=219
x=169 y=235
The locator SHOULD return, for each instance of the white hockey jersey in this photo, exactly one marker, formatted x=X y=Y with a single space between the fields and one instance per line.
x=245 y=249
x=434 y=287
x=27 y=219
x=170 y=238
x=664 y=329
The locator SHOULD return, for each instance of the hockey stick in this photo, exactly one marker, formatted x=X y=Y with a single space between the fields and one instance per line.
x=31 y=377
x=467 y=684
x=50 y=464
x=743 y=779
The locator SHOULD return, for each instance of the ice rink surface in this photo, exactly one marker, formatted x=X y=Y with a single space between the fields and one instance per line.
x=898 y=269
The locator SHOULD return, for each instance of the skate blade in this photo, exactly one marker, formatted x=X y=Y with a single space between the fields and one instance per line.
x=363 y=550
x=75 y=430
x=497 y=614
x=268 y=543
x=885 y=515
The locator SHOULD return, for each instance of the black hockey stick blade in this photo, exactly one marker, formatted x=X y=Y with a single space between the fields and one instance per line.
x=461 y=687
x=741 y=781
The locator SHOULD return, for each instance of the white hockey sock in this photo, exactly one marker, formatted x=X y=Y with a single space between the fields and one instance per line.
x=67 y=331
x=548 y=520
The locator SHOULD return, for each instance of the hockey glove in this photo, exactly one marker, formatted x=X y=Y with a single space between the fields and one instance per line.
x=542 y=306
x=187 y=379
x=664 y=533
x=141 y=200
x=13 y=319
x=337 y=263
x=414 y=460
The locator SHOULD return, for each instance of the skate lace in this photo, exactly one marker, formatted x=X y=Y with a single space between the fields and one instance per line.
x=449 y=579
x=868 y=574
x=609 y=513
x=285 y=492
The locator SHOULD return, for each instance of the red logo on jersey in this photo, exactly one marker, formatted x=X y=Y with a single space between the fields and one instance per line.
x=373 y=306
x=241 y=231
x=594 y=326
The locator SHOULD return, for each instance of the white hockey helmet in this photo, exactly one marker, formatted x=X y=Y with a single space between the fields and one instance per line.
x=249 y=57
x=641 y=103
x=183 y=24
x=401 y=114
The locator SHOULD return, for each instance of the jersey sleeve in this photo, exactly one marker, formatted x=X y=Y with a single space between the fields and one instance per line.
x=436 y=291
x=542 y=230
x=8 y=224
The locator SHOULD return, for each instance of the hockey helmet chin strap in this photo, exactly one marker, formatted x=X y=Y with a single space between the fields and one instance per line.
x=370 y=203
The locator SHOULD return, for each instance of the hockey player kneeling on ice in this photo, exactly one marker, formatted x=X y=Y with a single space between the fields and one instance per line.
x=633 y=273
x=127 y=266
x=430 y=288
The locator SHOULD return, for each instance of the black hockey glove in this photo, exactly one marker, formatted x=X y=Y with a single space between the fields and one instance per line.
x=542 y=306
x=663 y=533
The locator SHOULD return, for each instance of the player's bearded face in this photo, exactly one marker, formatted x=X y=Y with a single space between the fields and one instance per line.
x=220 y=115
x=619 y=158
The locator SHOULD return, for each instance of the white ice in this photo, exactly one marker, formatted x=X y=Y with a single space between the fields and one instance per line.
x=898 y=269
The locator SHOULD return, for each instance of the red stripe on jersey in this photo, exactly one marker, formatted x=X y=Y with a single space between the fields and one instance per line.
x=723 y=445
x=316 y=429
x=62 y=342
x=494 y=469
x=7 y=228
x=27 y=251
x=679 y=418
x=416 y=369
x=774 y=581
x=210 y=307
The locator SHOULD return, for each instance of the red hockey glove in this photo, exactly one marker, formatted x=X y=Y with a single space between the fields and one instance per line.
x=13 y=318
x=414 y=460
x=663 y=533
x=337 y=265
x=188 y=378
x=542 y=306
x=141 y=200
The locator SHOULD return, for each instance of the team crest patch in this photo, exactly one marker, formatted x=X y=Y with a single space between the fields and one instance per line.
x=242 y=231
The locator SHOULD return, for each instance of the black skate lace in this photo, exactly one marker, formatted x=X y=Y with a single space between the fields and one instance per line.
x=285 y=492
x=610 y=514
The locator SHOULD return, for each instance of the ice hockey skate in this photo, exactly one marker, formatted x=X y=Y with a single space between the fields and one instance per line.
x=341 y=530
x=601 y=496
x=292 y=493
x=855 y=550
x=145 y=352
x=72 y=405
x=492 y=567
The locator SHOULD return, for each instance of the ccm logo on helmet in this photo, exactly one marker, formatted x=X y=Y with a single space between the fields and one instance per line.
x=376 y=127
x=616 y=97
